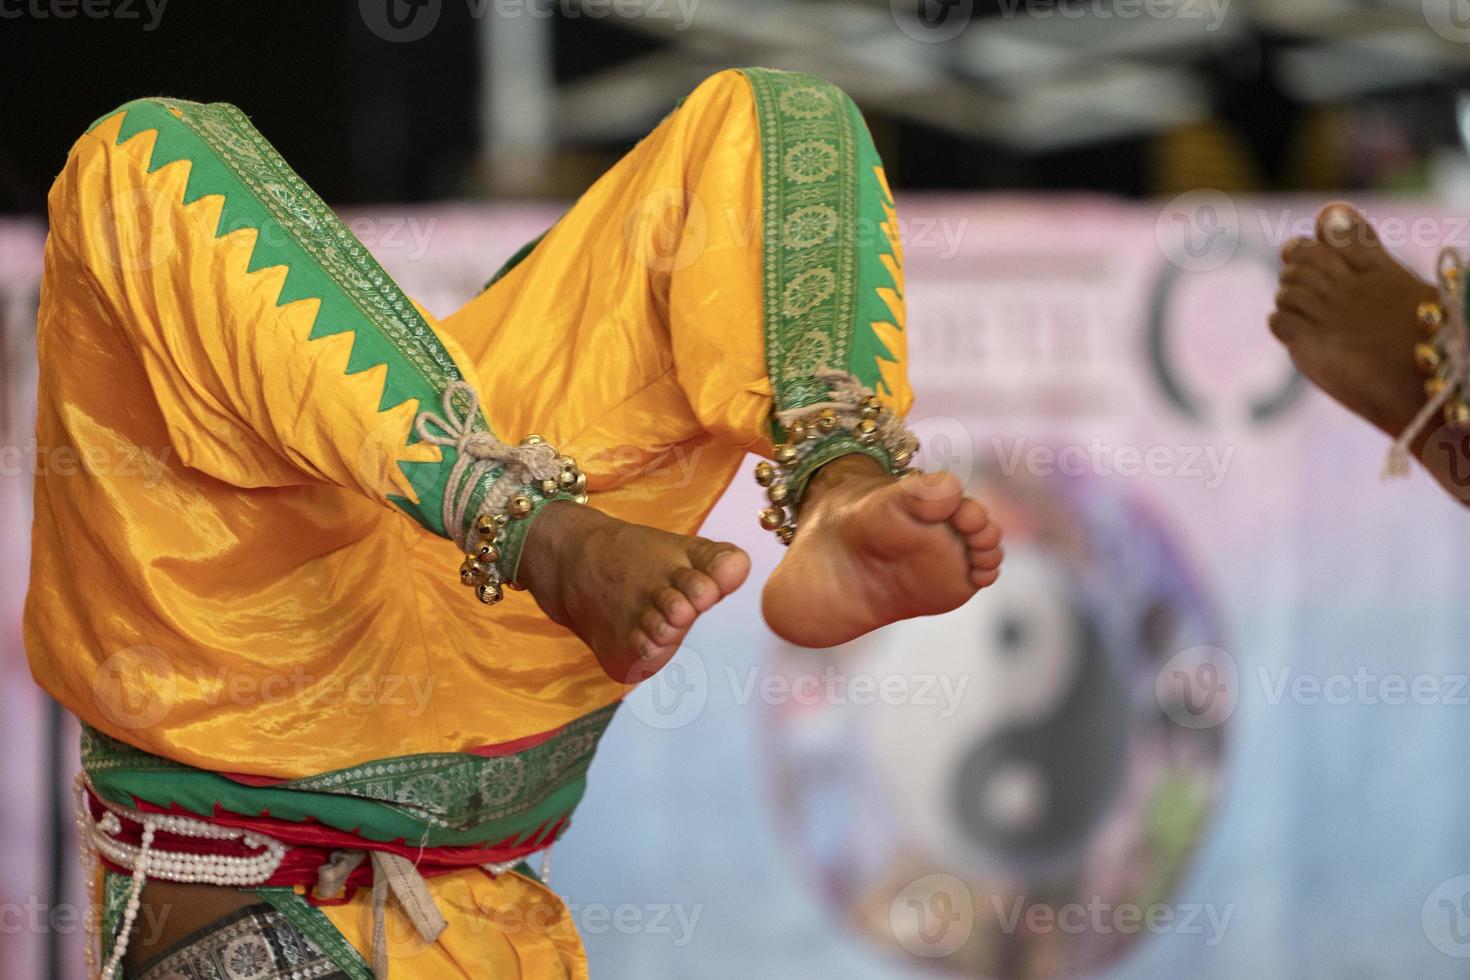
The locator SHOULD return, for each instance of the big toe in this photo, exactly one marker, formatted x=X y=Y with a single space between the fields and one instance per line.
x=726 y=564
x=1344 y=229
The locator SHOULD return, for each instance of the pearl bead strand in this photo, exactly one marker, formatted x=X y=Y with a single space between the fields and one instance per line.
x=179 y=866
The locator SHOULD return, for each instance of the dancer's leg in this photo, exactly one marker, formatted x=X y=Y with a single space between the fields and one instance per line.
x=279 y=354
x=697 y=290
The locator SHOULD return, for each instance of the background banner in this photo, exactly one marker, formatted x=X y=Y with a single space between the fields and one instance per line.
x=1210 y=723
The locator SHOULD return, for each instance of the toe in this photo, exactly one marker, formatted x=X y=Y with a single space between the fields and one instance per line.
x=724 y=563
x=647 y=659
x=1344 y=230
x=698 y=588
x=658 y=629
x=970 y=517
x=1307 y=279
x=931 y=497
x=1298 y=301
x=1288 y=325
x=986 y=538
x=675 y=608
x=1308 y=253
x=981 y=579
x=987 y=561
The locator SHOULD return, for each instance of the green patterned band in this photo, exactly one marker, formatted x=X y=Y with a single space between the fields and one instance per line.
x=823 y=214
x=450 y=799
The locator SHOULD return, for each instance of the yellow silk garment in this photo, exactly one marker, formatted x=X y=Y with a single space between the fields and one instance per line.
x=217 y=576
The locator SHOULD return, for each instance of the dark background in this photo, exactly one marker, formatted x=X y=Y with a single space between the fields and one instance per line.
x=366 y=120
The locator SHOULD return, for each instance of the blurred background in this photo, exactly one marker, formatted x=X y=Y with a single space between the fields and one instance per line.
x=1211 y=722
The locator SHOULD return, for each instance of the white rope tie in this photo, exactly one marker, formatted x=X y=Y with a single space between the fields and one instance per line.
x=477 y=453
x=847 y=394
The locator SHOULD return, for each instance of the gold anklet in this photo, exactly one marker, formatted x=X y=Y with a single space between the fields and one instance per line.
x=502 y=486
x=853 y=420
x=1444 y=358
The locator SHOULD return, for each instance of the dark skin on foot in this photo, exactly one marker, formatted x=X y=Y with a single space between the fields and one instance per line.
x=1347 y=313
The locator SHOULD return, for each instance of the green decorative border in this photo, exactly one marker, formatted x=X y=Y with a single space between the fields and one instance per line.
x=324 y=260
x=438 y=799
x=313 y=923
x=823 y=212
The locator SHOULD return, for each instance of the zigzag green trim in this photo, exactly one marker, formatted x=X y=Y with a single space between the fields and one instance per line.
x=872 y=275
x=324 y=260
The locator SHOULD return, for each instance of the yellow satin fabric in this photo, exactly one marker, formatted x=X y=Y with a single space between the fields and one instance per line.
x=222 y=583
x=242 y=599
x=508 y=926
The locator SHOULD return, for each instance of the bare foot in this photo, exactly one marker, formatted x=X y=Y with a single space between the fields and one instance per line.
x=1347 y=312
x=871 y=550
x=630 y=592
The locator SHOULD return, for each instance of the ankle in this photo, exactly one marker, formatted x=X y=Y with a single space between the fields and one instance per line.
x=853 y=472
x=557 y=532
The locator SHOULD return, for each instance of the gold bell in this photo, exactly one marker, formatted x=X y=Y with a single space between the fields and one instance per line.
x=785 y=533
x=902 y=459
x=579 y=485
x=1457 y=412
x=826 y=420
x=871 y=407
x=487 y=552
x=764 y=473
x=485 y=526
x=567 y=480
x=471 y=573
x=772 y=518
x=490 y=593
x=778 y=493
x=796 y=432
x=867 y=431
x=1434 y=386
x=567 y=463
x=520 y=505
x=785 y=454
x=580 y=498
x=1431 y=315
x=1427 y=357
x=532 y=440
x=549 y=487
